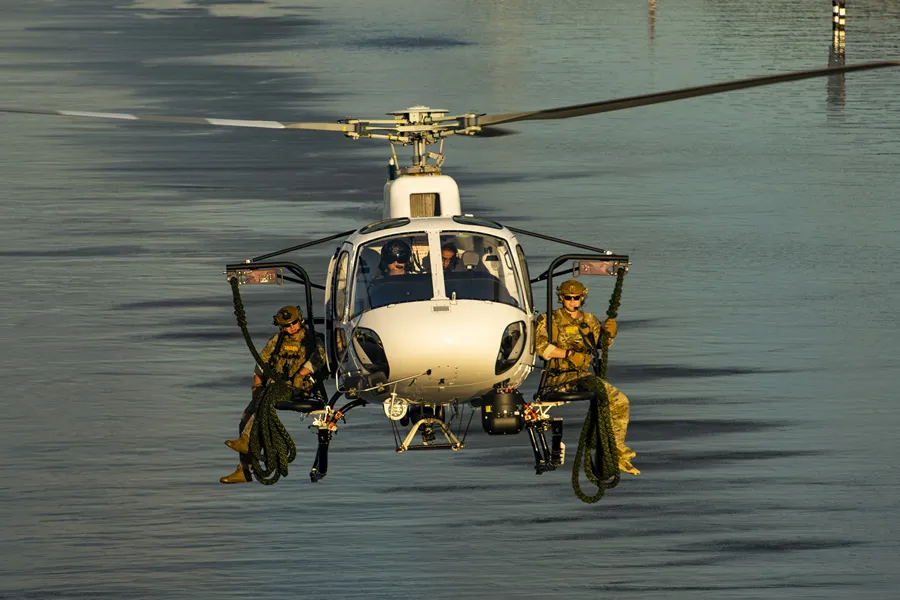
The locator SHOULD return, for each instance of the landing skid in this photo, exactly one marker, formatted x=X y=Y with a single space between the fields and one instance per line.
x=428 y=438
x=429 y=421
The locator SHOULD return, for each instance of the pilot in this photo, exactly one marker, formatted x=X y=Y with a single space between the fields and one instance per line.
x=395 y=257
x=286 y=354
x=569 y=353
x=449 y=256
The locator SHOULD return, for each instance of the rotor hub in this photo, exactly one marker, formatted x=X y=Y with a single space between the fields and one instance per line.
x=417 y=126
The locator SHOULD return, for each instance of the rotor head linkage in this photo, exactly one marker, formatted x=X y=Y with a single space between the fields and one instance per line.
x=419 y=127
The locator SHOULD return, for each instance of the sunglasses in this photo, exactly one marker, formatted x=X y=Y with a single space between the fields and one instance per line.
x=567 y=297
x=291 y=324
x=398 y=262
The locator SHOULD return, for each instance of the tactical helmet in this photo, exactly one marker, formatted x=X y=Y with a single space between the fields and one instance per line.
x=287 y=315
x=571 y=288
x=394 y=251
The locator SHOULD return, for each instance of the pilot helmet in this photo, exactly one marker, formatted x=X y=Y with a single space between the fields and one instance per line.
x=571 y=288
x=394 y=251
x=286 y=315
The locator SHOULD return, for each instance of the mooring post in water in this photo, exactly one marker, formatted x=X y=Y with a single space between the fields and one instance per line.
x=838 y=25
x=838 y=15
x=836 y=56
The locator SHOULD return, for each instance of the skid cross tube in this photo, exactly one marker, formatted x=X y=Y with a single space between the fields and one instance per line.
x=452 y=441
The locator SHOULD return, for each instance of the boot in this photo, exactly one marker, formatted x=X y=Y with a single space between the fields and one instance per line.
x=626 y=452
x=626 y=466
x=239 y=476
x=242 y=443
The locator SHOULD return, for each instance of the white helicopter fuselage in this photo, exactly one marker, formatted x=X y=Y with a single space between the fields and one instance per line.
x=433 y=335
x=454 y=342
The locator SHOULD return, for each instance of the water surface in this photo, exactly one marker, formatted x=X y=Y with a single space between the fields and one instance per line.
x=758 y=327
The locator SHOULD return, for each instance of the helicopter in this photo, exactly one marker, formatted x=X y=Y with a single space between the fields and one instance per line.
x=454 y=332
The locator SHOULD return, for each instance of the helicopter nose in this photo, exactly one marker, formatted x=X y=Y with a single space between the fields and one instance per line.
x=459 y=342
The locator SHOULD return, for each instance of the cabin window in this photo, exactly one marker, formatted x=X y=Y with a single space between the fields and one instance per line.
x=424 y=205
x=385 y=224
x=392 y=270
x=340 y=286
x=479 y=267
x=526 y=278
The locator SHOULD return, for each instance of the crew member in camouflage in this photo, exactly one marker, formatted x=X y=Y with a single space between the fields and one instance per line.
x=568 y=350
x=286 y=354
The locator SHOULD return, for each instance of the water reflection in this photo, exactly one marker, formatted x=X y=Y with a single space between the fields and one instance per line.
x=760 y=363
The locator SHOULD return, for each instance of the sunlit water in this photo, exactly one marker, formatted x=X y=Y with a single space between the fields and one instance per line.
x=758 y=333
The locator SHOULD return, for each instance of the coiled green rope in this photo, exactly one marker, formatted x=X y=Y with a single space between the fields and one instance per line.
x=271 y=446
x=601 y=435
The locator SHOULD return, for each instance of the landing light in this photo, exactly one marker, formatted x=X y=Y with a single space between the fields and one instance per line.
x=599 y=267
x=370 y=351
x=395 y=408
x=257 y=276
x=512 y=343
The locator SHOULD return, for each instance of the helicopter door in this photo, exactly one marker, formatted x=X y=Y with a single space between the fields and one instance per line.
x=337 y=291
x=526 y=278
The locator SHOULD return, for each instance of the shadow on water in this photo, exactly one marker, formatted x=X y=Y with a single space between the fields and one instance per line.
x=199 y=336
x=676 y=429
x=765 y=546
x=210 y=302
x=84 y=252
x=422 y=42
x=633 y=373
x=690 y=460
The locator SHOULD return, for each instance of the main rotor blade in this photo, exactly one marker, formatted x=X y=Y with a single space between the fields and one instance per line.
x=578 y=110
x=190 y=120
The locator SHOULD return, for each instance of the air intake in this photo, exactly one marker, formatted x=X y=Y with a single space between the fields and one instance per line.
x=424 y=205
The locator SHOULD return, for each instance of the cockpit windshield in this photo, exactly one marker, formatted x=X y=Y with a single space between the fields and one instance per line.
x=392 y=270
x=479 y=267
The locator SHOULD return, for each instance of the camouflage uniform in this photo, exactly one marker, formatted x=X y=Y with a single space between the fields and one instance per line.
x=568 y=374
x=291 y=358
x=287 y=364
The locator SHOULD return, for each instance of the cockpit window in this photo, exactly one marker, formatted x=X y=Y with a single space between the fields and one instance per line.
x=479 y=267
x=392 y=270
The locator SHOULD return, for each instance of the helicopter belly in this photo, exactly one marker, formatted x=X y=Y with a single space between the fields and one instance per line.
x=458 y=342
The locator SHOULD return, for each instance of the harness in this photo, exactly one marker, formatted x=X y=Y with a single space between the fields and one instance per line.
x=588 y=341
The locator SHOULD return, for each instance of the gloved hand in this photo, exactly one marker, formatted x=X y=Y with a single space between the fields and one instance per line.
x=580 y=359
x=302 y=382
x=610 y=327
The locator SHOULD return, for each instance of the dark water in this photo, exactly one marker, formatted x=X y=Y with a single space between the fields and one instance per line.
x=758 y=327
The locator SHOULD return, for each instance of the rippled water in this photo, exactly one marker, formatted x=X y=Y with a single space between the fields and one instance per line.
x=758 y=327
